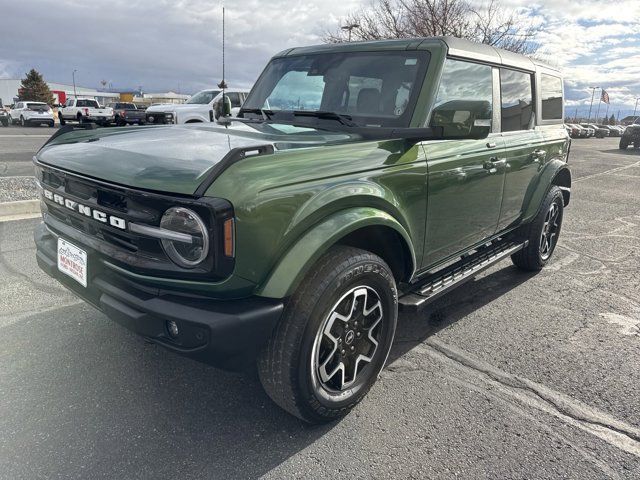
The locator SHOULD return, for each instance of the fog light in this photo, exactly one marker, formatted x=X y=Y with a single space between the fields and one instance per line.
x=172 y=327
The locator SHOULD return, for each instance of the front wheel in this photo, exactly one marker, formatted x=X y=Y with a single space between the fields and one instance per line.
x=623 y=144
x=333 y=338
x=22 y=124
x=542 y=233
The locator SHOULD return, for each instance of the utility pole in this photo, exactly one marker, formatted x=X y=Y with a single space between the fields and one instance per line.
x=74 y=83
x=636 y=107
x=350 y=27
x=593 y=91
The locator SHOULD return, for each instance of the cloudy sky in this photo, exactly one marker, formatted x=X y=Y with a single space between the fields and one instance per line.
x=176 y=44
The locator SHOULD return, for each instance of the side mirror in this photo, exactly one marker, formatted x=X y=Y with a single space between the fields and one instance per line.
x=462 y=119
x=222 y=107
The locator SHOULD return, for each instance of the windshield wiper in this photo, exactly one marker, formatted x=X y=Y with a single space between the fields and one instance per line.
x=266 y=114
x=340 y=117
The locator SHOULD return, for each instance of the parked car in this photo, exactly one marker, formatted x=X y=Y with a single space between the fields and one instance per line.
x=582 y=132
x=83 y=110
x=31 y=113
x=128 y=113
x=292 y=234
x=613 y=132
x=4 y=115
x=598 y=132
x=631 y=136
x=573 y=131
x=201 y=107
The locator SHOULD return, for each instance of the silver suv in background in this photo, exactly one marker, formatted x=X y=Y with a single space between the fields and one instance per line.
x=31 y=113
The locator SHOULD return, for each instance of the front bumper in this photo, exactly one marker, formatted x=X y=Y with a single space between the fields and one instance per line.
x=225 y=333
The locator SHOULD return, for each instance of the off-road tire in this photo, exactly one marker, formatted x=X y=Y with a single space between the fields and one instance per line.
x=285 y=365
x=530 y=258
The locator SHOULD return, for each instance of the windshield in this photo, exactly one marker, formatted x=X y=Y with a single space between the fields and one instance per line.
x=373 y=88
x=204 y=97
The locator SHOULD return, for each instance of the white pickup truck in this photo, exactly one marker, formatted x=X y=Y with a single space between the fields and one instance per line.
x=85 y=110
x=199 y=108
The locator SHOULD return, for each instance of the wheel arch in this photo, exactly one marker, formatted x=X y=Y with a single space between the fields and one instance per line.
x=367 y=228
x=556 y=172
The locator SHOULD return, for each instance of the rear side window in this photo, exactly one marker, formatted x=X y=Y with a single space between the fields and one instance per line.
x=551 y=95
x=516 y=100
x=465 y=98
x=87 y=103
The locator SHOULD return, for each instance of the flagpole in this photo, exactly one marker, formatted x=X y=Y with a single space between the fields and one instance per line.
x=593 y=92
x=607 y=114
x=598 y=111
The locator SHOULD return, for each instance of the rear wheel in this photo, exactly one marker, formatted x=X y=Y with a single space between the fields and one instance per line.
x=542 y=233
x=61 y=119
x=333 y=338
x=624 y=143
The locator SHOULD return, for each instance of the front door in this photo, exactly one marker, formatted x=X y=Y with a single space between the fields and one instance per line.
x=465 y=177
x=465 y=182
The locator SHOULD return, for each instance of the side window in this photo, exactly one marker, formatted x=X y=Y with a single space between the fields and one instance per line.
x=234 y=97
x=465 y=98
x=69 y=102
x=516 y=100
x=551 y=95
x=18 y=105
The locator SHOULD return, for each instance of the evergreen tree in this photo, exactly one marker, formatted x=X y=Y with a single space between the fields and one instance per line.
x=35 y=89
x=612 y=120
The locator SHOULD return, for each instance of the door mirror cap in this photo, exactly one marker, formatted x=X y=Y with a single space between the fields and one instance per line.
x=222 y=107
x=463 y=119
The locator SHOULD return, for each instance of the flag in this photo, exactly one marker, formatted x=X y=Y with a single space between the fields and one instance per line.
x=604 y=97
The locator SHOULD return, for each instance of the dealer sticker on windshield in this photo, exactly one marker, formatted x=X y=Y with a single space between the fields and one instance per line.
x=72 y=261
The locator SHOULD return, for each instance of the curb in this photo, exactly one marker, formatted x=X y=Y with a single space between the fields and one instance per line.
x=18 y=210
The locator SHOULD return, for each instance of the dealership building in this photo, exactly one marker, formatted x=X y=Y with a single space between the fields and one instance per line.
x=9 y=90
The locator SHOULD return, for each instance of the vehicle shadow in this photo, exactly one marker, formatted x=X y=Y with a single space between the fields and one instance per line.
x=415 y=328
x=97 y=401
x=627 y=151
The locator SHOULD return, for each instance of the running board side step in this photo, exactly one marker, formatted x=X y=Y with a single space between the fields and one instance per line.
x=456 y=274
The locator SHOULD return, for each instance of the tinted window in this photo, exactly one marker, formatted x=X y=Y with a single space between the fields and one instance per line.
x=551 y=94
x=465 y=98
x=87 y=103
x=234 y=98
x=516 y=100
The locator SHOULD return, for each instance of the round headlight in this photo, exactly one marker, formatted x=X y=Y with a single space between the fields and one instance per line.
x=188 y=254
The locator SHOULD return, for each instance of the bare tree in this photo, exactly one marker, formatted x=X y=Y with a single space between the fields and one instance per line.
x=488 y=23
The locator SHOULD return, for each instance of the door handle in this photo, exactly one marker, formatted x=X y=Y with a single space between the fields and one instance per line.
x=493 y=163
x=538 y=155
x=491 y=145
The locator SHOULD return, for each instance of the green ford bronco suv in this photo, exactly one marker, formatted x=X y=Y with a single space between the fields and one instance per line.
x=356 y=180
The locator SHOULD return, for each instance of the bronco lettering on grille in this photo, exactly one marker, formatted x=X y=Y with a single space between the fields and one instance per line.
x=85 y=210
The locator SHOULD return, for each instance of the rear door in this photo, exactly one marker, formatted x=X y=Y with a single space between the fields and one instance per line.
x=524 y=143
x=465 y=177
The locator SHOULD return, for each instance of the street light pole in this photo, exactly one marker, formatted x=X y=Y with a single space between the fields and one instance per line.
x=636 y=107
x=593 y=91
x=74 y=83
x=350 y=27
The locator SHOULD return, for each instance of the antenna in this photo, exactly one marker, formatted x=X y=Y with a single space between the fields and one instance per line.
x=222 y=84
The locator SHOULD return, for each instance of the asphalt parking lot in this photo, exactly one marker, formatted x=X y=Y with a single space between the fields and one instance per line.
x=512 y=376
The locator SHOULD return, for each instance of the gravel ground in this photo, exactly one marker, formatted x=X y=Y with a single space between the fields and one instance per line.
x=18 y=188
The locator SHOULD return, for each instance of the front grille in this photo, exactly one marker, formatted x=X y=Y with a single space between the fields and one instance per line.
x=135 y=252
